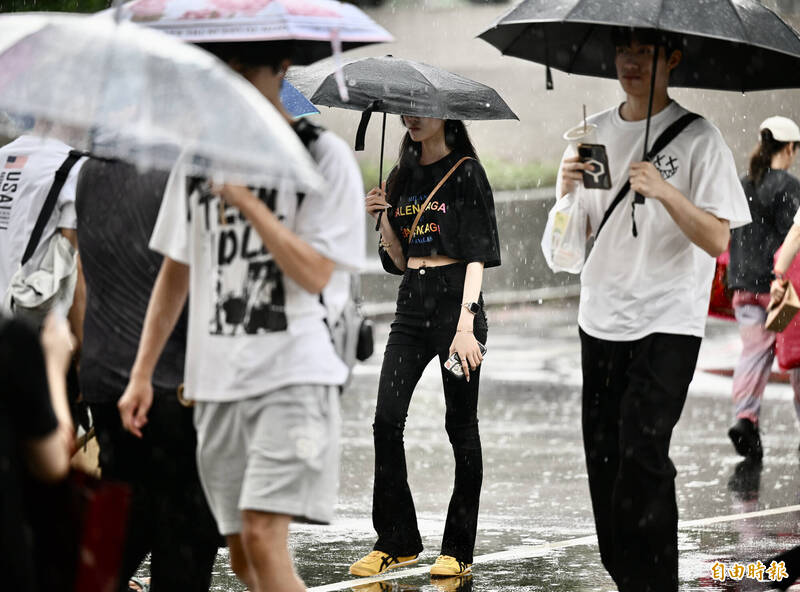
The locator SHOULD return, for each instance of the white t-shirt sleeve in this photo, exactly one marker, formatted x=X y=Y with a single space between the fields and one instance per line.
x=171 y=232
x=67 y=217
x=333 y=219
x=715 y=184
x=796 y=219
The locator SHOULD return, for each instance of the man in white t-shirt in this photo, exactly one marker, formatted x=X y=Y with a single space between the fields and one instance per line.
x=27 y=171
x=643 y=307
x=260 y=363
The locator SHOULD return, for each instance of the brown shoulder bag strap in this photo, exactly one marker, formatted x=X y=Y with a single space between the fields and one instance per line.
x=431 y=194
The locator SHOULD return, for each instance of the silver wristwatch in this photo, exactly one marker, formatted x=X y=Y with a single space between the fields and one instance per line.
x=472 y=307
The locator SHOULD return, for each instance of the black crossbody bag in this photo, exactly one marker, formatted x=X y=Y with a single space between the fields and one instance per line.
x=669 y=134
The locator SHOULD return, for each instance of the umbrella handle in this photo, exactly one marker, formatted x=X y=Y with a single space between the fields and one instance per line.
x=380 y=169
x=361 y=132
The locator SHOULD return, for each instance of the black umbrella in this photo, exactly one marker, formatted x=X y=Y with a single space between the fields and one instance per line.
x=727 y=44
x=393 y=85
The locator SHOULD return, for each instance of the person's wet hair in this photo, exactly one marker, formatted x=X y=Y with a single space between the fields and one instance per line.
x=624 y=36
x=252 y=54
x=761 y=157
x=456 y=138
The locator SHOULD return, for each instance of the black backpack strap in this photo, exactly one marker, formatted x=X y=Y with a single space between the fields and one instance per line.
x=669 y=134
x=50 y=202
x=308 y=132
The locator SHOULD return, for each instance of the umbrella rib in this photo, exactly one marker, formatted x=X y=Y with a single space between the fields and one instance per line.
x=571 y=10
x=577 y=51
x=782 y=22
x=741 y=22
x=522 y=31
x=744 y=34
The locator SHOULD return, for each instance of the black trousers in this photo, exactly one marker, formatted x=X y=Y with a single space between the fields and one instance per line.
x=633 y=395
x=428 y=308
x=169 y=516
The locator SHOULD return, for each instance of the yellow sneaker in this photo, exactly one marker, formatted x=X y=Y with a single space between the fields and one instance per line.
x=448 y=567
x=378 y=562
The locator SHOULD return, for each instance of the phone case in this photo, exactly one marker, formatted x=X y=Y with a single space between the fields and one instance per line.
x=596 y=155
x=453 y=363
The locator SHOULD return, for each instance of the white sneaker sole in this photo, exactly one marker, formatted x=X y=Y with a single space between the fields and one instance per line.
x=393 y=566
x=450 y=575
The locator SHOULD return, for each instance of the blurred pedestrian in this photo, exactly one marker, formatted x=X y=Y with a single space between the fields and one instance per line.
x=169 y=518
x=773 y=195
x=36 y=434
x=439 y=232
x=643 y=305
x=260 y=364
x=30 y=171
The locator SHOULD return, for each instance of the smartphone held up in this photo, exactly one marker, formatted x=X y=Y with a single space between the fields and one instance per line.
x=595 y=155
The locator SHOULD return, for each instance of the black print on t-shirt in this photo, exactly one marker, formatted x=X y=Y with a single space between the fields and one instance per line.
x=247 y=286
x=9 y=185
x=667 y=165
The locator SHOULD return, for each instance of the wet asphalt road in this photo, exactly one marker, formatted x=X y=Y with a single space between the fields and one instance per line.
x=535 y=491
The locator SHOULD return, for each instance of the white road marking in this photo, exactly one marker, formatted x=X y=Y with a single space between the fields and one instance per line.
x=528 y=551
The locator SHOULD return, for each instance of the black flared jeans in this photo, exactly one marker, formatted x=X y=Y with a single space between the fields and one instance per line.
x=428 y=309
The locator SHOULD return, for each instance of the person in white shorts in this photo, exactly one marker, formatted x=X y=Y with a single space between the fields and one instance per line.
x=260 y=363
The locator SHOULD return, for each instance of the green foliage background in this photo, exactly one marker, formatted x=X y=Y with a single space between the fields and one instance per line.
x=54 y=5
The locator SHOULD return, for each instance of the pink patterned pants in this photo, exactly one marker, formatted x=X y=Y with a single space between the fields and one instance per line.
x=758 y=351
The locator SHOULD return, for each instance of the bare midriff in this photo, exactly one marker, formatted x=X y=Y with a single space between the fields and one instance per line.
x=430 y=261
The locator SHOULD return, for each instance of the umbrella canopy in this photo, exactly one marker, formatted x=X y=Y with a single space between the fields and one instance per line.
x=128 y=92
x=403 y=87
x=296 y=102
x=727 y=44
x=316 y=26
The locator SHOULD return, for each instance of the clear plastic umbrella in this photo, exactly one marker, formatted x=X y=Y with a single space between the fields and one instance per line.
x=317 y=26
x=125 y=91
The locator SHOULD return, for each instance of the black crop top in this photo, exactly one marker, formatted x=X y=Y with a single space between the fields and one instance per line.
x=459 y=221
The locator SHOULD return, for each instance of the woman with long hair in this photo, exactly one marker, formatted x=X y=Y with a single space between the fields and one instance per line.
x=774 y=196
x=438 y=229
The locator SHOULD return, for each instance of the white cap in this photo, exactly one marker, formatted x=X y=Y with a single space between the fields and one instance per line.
x=783 y=129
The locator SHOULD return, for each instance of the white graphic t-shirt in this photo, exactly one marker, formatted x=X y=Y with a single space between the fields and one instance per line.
x=251 y=328
x=27 y=171
x=659 y=281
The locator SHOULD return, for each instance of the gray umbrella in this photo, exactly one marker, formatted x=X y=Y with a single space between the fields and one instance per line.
x=393 y=85
x=727 y=44
x=735 y=45
x=405 y=88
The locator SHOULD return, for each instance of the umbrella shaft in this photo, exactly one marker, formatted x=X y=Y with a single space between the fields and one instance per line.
x=383 y=139
x=656 y=49
x=638 y=198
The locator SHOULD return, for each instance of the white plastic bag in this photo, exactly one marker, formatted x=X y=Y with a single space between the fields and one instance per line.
x=52 y=285
x=564 y=238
